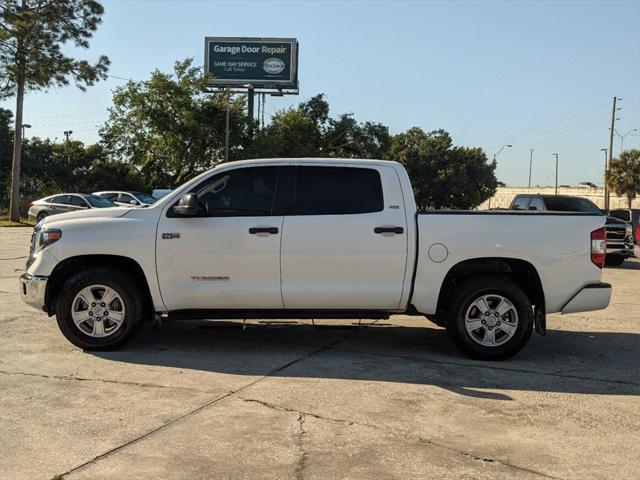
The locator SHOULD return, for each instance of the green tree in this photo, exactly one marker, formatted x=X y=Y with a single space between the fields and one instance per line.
x=308 y=131
x=623 y=175
x=32 y=34
x=169 y=128
x=443 y=176
x=6 y=145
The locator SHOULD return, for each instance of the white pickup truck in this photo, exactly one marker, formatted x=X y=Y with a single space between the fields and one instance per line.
x=311 y=239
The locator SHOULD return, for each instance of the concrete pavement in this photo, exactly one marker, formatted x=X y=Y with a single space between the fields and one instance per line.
x=392 y=399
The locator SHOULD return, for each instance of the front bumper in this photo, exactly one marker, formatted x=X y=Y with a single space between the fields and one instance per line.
x=592 y=297
x=33 y=289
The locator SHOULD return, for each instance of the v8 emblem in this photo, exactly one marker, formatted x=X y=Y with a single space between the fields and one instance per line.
x=170 y=236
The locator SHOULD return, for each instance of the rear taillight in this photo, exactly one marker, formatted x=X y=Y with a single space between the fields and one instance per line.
x=598 y=247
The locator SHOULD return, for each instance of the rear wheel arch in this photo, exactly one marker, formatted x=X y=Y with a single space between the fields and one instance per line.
x=72 y=265
x=520 y=272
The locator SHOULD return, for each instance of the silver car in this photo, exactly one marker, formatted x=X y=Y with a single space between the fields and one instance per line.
x=66 y=202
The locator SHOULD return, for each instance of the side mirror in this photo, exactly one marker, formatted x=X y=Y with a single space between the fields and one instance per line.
x=133 y=202
x=187 y=206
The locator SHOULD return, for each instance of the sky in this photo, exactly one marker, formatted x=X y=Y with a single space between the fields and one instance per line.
x=538 y=75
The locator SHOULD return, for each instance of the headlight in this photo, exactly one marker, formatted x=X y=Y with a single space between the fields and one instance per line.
x=46 y=237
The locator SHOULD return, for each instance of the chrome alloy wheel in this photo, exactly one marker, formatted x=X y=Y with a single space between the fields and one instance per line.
x=491 y=320
x=97 y=311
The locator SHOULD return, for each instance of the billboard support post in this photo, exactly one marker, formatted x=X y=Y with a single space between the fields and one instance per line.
x=226 y=131
x=250 y=97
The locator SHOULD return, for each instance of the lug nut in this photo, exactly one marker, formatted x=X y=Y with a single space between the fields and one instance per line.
x=498 y=323
x=486 y=314
x=483 y=322
x=93 y=304
x=490 y=328
x=98 y=319
x=90 y=313
x=495 y=314
x=106 y=313
x=102 y=304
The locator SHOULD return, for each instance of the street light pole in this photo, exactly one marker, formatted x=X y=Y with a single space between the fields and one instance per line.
x=24 y=125
x=500 y=151
x=530 y=164
x=622 y=137
x=67 y=134
x=556 y=155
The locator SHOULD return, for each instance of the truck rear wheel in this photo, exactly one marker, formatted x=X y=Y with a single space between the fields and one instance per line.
x=490 y=318
x=99 y=309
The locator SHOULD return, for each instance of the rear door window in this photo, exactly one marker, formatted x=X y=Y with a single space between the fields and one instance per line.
x=536 y=204
x=60 y=199
x=77 y=201
x=338 y=191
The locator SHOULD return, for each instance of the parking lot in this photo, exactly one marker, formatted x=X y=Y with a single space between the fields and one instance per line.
x=386 y=399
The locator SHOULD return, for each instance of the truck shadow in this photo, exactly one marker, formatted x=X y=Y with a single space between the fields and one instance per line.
x=563 y=361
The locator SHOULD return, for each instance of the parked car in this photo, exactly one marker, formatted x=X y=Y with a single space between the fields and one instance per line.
x=66 y=202
x=632 y=217
x=314 y=238
x=619 y=233
x=128 y=199
x=587 y=185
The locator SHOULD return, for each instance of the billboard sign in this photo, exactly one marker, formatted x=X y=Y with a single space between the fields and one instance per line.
x=259 y=62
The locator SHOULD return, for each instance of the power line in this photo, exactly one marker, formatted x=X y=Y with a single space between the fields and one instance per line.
x=547 y=124
x=550 y=132
x=561 y=136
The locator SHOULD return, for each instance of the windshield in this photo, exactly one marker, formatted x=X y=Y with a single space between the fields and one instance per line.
x=570 y=204
x=99 y=202
x=144 y=198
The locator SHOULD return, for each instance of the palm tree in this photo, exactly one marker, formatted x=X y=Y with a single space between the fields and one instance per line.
x=623 y=176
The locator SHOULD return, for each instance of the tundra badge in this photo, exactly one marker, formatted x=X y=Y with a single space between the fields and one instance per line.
x=170 y=236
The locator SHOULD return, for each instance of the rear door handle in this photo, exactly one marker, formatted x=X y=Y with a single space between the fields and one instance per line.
x=397 y=230
x=271 y=230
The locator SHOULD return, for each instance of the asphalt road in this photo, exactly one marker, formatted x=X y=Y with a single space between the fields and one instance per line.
x=391 y=399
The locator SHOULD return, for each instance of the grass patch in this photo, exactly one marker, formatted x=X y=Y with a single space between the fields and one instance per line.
x=5 y=222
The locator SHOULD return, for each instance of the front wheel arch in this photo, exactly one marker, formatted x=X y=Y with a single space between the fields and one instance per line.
x=72 y=265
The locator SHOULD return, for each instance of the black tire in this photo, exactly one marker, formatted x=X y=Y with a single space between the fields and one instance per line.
x=40 y=216
x=614 y=260
x=471 y=290
x=126 y=288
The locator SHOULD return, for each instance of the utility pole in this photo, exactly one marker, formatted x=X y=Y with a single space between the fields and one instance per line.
x=530 y=164
x=556 y=155
x=613 y=126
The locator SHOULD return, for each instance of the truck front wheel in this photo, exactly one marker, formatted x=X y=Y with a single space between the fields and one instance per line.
x=490 y=318
x=99 y=309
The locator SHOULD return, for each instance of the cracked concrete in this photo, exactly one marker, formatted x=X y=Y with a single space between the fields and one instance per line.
x=390 y=400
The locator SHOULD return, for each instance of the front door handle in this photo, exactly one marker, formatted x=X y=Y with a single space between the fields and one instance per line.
x=271 y=230
x=397 y=230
